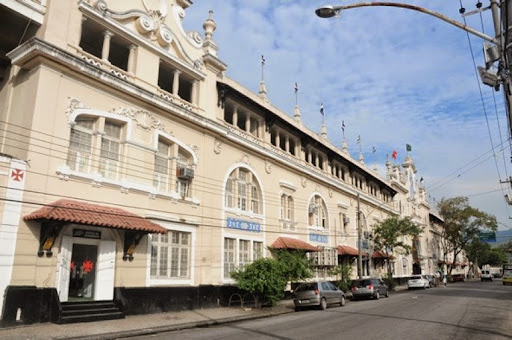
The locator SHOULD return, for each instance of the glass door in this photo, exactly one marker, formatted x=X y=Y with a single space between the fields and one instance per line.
x=82 y=275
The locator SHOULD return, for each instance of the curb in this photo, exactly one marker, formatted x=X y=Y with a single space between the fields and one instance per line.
x=170 y=328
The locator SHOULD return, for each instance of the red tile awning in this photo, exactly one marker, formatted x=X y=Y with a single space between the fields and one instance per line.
x=347 y=251
x=292 y=243
x=379 y=254
x=71 y=211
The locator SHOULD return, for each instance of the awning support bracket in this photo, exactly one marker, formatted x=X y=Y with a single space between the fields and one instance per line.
x=131 y=241
x=49 y=233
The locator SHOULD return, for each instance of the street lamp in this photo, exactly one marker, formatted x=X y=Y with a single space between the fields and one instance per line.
x=333 y=11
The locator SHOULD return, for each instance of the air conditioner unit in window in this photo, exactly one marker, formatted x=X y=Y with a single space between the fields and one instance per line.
x=185 y=173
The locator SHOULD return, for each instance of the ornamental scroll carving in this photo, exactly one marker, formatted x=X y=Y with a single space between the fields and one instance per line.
x=217 y=146
x=143 y=118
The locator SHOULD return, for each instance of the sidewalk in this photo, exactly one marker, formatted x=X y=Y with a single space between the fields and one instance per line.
x=140 y=325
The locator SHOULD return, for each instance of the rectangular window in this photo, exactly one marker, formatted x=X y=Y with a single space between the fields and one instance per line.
x=170 y=257
x=229 y=256
x=161 y=176
x=182 y=187
x=110 y=147
x=257 y=249
x=80 y=146
x=244 y=253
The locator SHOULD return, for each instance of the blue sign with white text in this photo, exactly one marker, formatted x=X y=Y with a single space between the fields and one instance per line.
x=234 y=223
x=318 y=238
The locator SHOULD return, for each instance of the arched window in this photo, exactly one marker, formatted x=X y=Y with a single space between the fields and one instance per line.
x=317 y=212
x=243 y=192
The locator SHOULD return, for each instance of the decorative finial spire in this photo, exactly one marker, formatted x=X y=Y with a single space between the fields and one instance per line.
x=263 y=89
x=209 y=26
x=296 y=111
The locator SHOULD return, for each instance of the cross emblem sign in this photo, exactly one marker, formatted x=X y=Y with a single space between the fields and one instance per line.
x=17 y=175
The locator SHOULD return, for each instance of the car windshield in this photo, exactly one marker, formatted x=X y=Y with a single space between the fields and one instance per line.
x=416 y=277
x=307 y=286
x=362 y=283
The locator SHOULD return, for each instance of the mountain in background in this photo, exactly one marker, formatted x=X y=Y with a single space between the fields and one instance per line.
x=503 y=236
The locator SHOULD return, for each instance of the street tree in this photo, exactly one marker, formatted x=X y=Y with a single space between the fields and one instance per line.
x=476 y=252
x=390 y=234
x=507 y=247
x=495 y=257
x=462 y=224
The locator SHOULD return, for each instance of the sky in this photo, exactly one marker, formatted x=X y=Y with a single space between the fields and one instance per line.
x=393 y=76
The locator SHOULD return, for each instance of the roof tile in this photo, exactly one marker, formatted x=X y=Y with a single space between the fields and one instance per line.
x=71 y=211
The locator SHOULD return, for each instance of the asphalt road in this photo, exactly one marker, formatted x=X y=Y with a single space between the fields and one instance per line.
x=464 y=310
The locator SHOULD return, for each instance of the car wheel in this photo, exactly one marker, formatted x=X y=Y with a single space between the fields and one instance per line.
x=354 y=298
x=323 y=304
x=387 y=293
x=377 y=295
x=298 y=309
x=342 y=301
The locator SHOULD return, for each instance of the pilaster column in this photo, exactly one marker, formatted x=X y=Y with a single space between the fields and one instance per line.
x=131 y=59
x=195 y=87
x=287 y=143
x=248 y=123
x=105 y=51
x=235 y=115
x=176 y=83
x=278 y=139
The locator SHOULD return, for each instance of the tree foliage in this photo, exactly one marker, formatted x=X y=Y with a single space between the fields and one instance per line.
x=343 y=272
x=295 y=264
x=507 y=247
x=264 y=278
x=389 y=234
x=267 y=277
x=462 y=224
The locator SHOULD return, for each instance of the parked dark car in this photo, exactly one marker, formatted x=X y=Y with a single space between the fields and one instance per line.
x=369 y=288
x=317 y=294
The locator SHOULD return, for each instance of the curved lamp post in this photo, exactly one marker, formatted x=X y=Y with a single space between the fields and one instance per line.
x=332 y=11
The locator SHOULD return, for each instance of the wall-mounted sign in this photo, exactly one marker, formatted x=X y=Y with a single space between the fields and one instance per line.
x=87 y=233
x=234 y=223
x=318 y=238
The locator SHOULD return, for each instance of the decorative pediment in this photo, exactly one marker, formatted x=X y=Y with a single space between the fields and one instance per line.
x=153 y=21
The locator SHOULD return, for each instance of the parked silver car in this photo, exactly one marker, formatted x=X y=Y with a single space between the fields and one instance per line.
x=369 y=288
x=317 y=294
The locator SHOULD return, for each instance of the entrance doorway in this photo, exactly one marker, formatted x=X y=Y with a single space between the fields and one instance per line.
x=82 y=272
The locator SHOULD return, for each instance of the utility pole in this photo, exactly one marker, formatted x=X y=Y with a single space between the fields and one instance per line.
x=359 y=245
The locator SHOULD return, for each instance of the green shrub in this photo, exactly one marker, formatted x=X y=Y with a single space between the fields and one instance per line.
x=343 y=272
x=264 y=278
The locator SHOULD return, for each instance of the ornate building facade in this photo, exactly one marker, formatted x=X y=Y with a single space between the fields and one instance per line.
x=135 y=171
